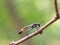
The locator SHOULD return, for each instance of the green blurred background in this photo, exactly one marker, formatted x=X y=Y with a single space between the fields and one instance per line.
x=15 y=14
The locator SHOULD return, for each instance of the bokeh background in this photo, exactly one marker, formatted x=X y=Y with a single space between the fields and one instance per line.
x=15 y=14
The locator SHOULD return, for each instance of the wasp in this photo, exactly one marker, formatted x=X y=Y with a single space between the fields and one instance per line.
x=31 y=26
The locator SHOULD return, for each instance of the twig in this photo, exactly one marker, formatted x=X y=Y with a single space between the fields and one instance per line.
x=34 y=33
x=56 y=8
x=41 y=29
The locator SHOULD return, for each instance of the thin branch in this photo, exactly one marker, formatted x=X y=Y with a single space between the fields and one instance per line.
x=34 y=33
x=56 y=8
x=41 y=29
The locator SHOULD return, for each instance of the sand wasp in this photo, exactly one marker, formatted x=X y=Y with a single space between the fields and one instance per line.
x=30 y=27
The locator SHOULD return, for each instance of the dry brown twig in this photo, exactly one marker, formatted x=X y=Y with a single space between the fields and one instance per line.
x=41 y=28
